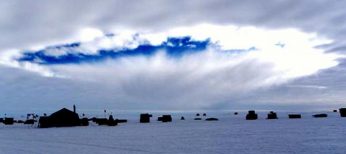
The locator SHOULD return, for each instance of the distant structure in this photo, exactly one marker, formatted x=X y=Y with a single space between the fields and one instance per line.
x=61 y=118
x=197 y=119
x=342 y=112
x=211 y=119
x=111 y=121
x=182 y=118
x=8 y=121
x=145 y=118
x=322 y=115
x=251 y=115
x=235 y=113
x=197 y=114
x=165 y=118
x=272 y=115
x=294 y=116
x=204 y=114
x=335 y=110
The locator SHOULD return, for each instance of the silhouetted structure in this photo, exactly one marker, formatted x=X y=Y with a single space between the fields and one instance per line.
x=251 y=115
x=1 y=119
x=335 y=110
x=294 y=116
x=322 y=115
x=8 y=121
x=235 y=113
x=84 y=122
x=29 y=122
x=165 y=118
x=272 y=115
x=20 y=121
x=342 y=112
x=197 y=114
x=61 y=118
x=204 y=114
x=111 y=121
x=182 y=118
x=100 y=121
x=145 y=118
x=211 y=119
x=197 y=119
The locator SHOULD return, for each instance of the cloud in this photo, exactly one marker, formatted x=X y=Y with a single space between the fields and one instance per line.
x=254 y=46
x=231 y=61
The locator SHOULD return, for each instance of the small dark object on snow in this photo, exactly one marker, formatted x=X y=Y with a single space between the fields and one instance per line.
x=1 y=119
x=182 y=118
x=197 y=114
x=251 y=115
x=211 y=119
x=145 y=118
x=165 y=118
x=204 y=114
x=235 y=113
x=322 y=115
x=8 y=121
x=342 y=112
x=272 y=115
x=20 y=121
x=294 y=116
x=197 y=119
x=121 y=120
x=29 y=122
x=335 y=110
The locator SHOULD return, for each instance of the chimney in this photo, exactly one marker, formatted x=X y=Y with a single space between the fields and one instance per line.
x=74 y=108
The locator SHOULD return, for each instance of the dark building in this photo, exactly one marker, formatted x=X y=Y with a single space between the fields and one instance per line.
x=8 y=121
x=197 y=119
x=111 y=121
x=322 y=115
x=272 y=115
x=84 y=122
x=197 y=114
x=251 y=115
x=61 y=118
x=235 y=113
x=204 y=114
x=294 y=116
x=165 y=118
x=145 y=118
x=342 y=112
x=182 y=118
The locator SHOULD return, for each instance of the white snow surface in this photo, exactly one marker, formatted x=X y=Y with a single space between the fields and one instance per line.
x=231 y=134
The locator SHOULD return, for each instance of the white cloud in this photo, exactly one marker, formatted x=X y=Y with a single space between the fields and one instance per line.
x=202 y=79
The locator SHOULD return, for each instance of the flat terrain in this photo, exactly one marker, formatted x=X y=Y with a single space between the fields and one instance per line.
x=232 y=134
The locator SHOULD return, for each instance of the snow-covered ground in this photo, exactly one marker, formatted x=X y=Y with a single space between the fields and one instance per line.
x=232 y=134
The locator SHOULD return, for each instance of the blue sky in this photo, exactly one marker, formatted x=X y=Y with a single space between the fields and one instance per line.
x=182 y=55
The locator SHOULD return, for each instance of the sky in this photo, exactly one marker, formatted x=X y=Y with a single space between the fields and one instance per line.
x=172 y=55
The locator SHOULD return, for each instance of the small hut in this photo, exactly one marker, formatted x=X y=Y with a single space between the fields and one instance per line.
x=272 y=115
x=8 y=121
x=145 y=118
x=251 y=115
